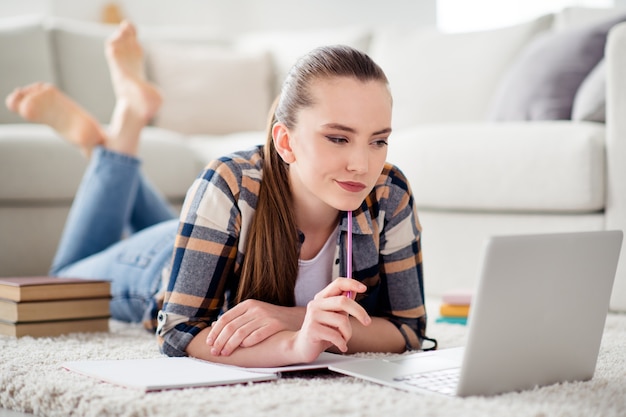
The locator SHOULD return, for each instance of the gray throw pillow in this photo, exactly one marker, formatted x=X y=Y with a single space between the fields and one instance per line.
x=589 y=103
x=542 y=83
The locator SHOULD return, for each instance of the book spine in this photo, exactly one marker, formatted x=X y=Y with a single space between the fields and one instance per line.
x=452 y=320
x=449 y=310
x=54 y=310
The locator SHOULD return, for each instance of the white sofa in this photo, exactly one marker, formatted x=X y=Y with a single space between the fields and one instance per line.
x=473 y=174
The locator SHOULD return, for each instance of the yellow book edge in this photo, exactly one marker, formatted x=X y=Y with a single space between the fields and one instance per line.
x=449 y=310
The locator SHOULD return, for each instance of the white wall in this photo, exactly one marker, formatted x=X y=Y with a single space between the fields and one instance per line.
x=241 y=15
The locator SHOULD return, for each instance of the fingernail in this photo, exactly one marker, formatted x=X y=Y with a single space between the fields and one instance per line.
x=209 y=340
x=214 y=352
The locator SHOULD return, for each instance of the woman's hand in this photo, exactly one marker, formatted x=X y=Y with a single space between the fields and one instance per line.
x=250 y=322
x=327 y=321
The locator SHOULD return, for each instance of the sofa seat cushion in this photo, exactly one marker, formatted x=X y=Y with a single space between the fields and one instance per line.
x=551 y=166
x=37 y=166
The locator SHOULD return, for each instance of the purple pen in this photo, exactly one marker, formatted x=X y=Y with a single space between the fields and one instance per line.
x=349 y=251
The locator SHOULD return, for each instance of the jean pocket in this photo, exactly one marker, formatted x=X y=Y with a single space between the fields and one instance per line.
x=136 y=260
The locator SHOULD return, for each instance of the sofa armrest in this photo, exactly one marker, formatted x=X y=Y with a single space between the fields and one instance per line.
x=616 y=150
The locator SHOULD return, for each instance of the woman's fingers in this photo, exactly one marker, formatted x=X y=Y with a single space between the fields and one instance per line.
x=225 y=320
x=249 y=323
x=334 y=298
x=328 y=314
x=230 y=330
x=330 y=336
x=231 y=336
x=345 y=306
x=337 y=328
x=341 y=286
x=322 y=329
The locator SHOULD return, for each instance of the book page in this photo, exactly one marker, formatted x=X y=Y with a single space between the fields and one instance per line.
x=165 y=373
x=324 y=360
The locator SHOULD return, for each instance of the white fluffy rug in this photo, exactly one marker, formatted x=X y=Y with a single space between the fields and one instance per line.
x=32 y=381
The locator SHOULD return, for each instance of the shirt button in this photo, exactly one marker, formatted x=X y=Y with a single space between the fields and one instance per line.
x=337 y=261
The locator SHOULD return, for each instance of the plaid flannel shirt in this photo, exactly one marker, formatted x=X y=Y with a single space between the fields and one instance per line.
x=202 y=279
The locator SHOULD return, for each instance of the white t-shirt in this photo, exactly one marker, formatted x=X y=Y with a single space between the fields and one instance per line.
x=315 y=274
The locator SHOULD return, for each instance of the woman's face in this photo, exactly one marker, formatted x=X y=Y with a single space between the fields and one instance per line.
x=339 y=145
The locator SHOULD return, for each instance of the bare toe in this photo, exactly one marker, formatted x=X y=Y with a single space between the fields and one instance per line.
x=16 y=98
x=13 y=99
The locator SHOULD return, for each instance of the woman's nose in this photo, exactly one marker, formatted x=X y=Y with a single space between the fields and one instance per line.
x=358 y=160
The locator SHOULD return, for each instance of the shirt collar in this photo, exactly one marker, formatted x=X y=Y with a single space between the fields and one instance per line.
x=361 y=221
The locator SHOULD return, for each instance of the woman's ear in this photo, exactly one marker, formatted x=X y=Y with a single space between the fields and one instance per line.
x=281 y=137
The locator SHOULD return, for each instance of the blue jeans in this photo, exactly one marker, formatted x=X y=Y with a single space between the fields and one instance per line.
x=119 y=229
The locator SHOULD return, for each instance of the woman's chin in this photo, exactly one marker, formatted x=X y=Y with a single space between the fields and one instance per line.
x=351 y=205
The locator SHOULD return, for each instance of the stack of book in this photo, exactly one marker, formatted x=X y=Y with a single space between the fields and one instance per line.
x=455 y=307
x=49 y=306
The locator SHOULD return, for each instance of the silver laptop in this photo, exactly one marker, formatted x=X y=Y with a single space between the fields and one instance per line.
x=537 y=318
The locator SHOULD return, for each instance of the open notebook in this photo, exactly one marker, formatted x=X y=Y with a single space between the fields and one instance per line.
x=172 y=373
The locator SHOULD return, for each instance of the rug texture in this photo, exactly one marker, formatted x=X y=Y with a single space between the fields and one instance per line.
x=32 y=381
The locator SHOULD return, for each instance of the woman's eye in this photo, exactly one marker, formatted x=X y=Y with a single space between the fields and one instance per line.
x=336 y=139
x=380 y=143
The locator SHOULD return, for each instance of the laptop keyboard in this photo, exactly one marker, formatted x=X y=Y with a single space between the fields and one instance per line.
x=443 y=381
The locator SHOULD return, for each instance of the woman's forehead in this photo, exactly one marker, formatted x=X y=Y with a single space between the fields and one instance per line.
x=350 y=102
x=340 y=91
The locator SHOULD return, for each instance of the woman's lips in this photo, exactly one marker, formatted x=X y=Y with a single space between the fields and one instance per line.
x=351 y=186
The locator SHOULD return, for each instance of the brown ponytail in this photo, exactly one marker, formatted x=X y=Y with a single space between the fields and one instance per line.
x=270 y=266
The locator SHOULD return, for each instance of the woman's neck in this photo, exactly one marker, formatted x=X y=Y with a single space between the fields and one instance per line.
x=316 y=224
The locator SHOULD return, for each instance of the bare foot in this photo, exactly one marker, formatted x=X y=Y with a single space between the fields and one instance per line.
x=44 y=103
x=125 y=58
x=137 y=99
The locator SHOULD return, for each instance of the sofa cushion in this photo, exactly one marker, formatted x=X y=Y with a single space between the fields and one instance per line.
x=82 y=70
x=542 y=83
x=210 y=90
x=552 y=166
x=286 y=47
x=26 y=58
x=447 y=77
x=579 y=17
x=590 y=100
x=55 y=168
